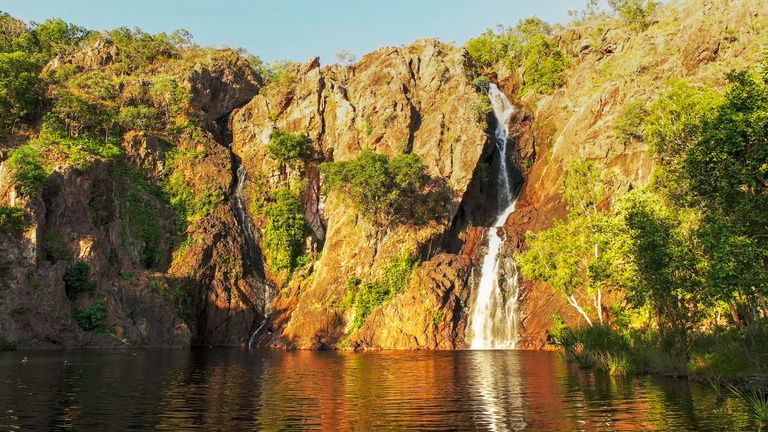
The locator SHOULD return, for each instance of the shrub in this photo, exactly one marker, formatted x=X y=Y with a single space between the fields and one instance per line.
x=5 y=344
x=91 y=319
x=19 y=92
x=286 y=230
x=482 y=84
x=286 y=147
x=55 y=247
x=368 y=295
x=629 y=125
x=481 y=107
x=76 y=279
x=381 y=188
x=12 y=219
x=27 y=170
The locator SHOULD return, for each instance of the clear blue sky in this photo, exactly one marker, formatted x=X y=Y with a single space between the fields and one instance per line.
x=298 y=29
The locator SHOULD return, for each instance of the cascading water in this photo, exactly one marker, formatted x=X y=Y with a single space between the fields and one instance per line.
x=246 y=225
x=492 y=320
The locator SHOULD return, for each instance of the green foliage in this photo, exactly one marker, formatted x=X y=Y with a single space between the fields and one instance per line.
x=367 y=127
x=53 y=133
x=366 y=296
x=13 y=220
x=5 y=344
x=140 y=117
x=529 y=44
x=287 y=148
x=481 y=108
x=91 y=319
x=381 y=188
x=286 y=230
x=577 y=257
x=19 y=87
x=76 y=279
x=629 y=125
x=146 y=228
x=55 y=246
x=544 y=64
x=168 y=96
x=482 y=84
x=27 y=172
x=188 y=206
x=125 y=275
x=637 y=14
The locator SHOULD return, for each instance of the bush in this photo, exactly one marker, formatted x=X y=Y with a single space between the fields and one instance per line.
x=366 y=296
x=482 y=84
x=286 y=147
x=91 y=319
x=381 y=188
x=12 y=219
x=286 y=230
x=629 y=125
x=27 y=170
x=76 y=279
x=481 y=107
x=19 y=87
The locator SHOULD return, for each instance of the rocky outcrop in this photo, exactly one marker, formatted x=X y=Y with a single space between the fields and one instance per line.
x=160 y=288
x=689 y=41
x=413 y=99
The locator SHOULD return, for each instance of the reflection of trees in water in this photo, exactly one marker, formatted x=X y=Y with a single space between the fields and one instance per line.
x=230 y=389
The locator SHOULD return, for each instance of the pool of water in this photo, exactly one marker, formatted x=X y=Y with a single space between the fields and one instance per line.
x=222 y=389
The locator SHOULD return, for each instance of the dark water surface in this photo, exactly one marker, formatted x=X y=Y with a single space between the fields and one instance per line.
x=235 y=390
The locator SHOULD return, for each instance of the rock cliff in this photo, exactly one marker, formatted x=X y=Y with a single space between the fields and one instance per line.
x=213 y=284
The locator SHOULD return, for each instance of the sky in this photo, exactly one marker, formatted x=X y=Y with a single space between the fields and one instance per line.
x=298 y=29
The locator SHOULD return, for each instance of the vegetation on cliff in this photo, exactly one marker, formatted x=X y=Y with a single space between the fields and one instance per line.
x=687 y=253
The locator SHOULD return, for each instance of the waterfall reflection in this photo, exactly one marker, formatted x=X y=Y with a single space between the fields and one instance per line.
x=497 y=390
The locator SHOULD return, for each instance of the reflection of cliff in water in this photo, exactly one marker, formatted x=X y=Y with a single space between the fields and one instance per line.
x=235 y=389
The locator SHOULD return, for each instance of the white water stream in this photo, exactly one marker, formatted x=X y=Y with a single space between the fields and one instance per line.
x=492 y=320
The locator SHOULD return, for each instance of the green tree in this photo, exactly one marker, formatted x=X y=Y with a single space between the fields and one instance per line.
x=666 y=269
x=19 y=87
x=287 y=148
x=286 y=230
x=380 y=188
x=27 y=172
x=578 y=257
x=91 y=319
x=12 y=219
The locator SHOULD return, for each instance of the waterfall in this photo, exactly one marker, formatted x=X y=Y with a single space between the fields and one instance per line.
x=492 y=320
x=246 y=225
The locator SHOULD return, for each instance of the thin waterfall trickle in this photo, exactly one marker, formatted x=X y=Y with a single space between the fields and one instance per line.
x=246 y=225
x=492 y=320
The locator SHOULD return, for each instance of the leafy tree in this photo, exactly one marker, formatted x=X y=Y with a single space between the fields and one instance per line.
x=10 y=29
x=666 y=269
x=286 y=230
x=629 y=125
x=27 y=172
x=287 y=148
x=19 y=87
x=636 y=14
x=379 y=187
x=482 y=84
x=577 y=258
x=12 y=219
x=91 y=319
x=52 y=38
x=76 y=279
x=528 y=44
